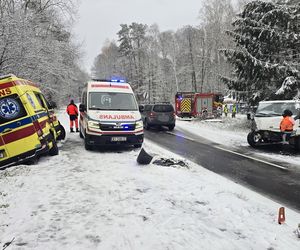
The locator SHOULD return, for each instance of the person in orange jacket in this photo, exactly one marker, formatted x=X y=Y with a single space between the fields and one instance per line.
x=287 y=124
x=72 y=111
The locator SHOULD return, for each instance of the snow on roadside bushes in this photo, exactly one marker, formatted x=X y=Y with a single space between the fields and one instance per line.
x=227 y=131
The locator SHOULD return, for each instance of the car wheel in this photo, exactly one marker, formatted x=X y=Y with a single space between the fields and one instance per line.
x=253 y=139
x=297 y=143
x=54 y=150
x=146 y=125
x=171 y=127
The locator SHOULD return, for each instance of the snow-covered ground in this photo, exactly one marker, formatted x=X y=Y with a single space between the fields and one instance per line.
x=231 y=132
x=105 y=200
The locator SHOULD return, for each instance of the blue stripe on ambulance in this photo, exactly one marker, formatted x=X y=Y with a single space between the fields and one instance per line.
x=22 y=122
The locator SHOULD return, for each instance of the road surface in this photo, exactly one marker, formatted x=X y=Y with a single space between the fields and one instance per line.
x=278 y=181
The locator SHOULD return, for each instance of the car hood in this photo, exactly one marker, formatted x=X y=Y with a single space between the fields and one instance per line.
x=114 y=116
x=268 y=123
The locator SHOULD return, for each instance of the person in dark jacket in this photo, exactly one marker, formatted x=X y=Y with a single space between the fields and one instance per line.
x=72 y=111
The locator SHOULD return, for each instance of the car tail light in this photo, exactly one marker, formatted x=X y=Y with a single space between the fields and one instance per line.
x=152 y=115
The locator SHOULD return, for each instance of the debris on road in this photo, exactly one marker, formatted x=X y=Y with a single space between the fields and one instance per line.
x=144 y=158
x=170 y=162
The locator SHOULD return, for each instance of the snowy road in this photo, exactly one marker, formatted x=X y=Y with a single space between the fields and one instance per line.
x=104 y=200
x=274 y=179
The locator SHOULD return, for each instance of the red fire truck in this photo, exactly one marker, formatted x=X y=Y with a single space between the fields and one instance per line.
x=203 y=105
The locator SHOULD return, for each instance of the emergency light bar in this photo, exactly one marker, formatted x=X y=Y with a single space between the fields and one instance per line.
x=117 y=80
x=111 y=80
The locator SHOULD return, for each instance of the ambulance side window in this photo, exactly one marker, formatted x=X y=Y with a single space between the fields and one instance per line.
x=40 y=98
x=11 y=108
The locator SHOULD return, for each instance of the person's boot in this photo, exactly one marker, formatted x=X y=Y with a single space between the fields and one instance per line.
x=77 y=130
x=71 y=130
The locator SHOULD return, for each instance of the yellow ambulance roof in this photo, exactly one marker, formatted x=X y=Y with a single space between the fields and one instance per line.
x=8 y=78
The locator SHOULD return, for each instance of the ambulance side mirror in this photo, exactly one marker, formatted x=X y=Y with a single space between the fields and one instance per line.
x=82 y=107
x=141 y=108
x=52 y=105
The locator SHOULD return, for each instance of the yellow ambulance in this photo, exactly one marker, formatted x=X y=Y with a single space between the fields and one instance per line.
x=28 y=124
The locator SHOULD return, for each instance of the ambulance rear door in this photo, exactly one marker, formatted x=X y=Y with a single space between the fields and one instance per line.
x=16 y=129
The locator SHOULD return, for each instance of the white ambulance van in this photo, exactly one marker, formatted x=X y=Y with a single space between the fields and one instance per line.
x=109 y=115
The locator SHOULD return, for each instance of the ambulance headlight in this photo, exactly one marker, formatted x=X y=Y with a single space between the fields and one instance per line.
x=138 y=124
x=92 y=124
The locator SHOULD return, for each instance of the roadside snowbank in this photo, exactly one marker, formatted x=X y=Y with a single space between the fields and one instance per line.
x=105 y=200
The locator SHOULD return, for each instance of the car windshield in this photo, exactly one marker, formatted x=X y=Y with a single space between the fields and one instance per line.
x=275 y=108
x=163 y=108
x=112 y=101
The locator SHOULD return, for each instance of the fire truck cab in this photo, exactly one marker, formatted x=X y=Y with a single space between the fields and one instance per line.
x=203 y=105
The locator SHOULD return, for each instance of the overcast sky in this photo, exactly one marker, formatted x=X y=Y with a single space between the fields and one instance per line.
x=99 y=20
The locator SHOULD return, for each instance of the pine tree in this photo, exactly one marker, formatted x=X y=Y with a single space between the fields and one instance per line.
x=268 y=48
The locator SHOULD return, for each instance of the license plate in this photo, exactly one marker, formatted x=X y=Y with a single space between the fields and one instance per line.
x=163 y=118
x=119 y=138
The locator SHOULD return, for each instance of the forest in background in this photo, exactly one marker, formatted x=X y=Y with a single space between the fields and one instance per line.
x=158 y=64
x=36 y=43
x=248 y=48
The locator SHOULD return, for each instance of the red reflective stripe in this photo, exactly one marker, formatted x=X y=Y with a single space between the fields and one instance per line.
x=17 y=82
x=109 y=86
x=116 y=132
x=17 y=135
x=43 y=123
x=7 y=85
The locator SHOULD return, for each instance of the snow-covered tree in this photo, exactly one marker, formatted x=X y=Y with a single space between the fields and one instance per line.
x=132 y=40
x=268 y=48
x=36 y=43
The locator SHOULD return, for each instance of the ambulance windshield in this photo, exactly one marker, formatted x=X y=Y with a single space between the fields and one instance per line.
x=112 y=101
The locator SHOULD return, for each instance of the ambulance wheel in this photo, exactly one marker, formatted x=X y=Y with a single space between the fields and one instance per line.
x=171 y=127
x=80 y=133
x=86 y=145
x=32 y=161
x=62 y=135
x=253 y=139
x=54 y=150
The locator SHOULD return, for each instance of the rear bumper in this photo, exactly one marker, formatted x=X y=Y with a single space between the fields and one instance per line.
x=107 y=139
x=160 y=123
x=24 y=157
x=184 y=114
